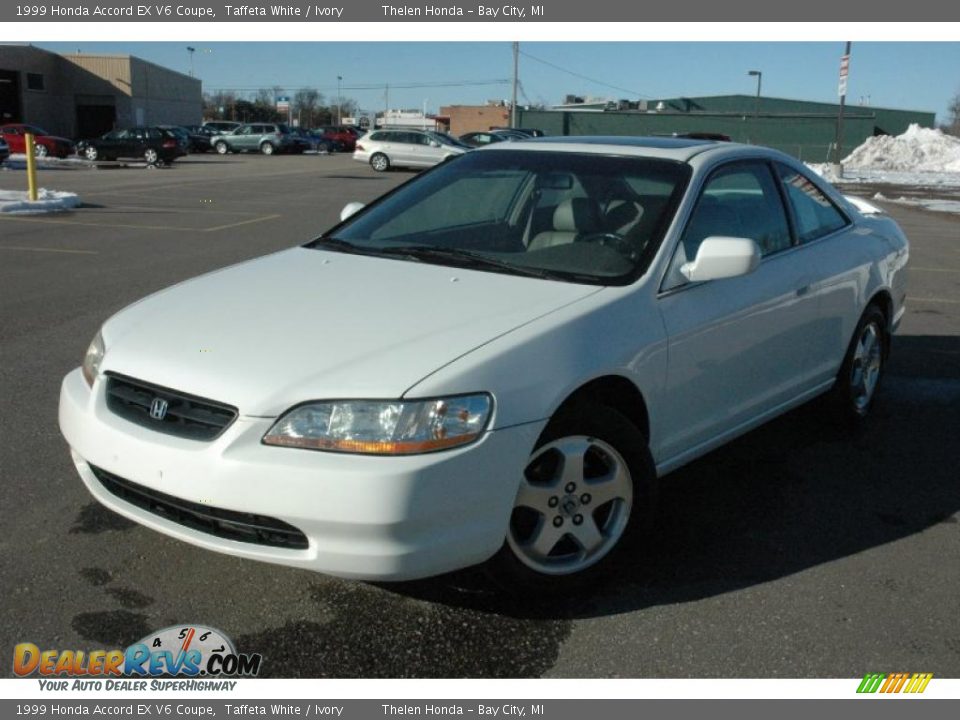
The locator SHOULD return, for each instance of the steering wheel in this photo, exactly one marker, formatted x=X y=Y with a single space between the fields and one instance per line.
x=611 y=240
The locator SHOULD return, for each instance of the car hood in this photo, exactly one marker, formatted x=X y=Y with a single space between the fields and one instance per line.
x=308 y=324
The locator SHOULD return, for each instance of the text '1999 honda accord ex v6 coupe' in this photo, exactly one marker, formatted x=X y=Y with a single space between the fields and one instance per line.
x=514 y=346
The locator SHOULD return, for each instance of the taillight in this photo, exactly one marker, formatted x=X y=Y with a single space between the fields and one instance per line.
x=358 y=146
x=169 y=143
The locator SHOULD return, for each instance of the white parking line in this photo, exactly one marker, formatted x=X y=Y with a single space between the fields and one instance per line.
x=933 y=300
x=51 y=250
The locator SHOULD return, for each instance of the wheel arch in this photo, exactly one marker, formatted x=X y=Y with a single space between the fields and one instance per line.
x=613 y=391
x=883 y=300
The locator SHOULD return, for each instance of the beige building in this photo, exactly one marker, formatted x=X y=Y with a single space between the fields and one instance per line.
x=474 y=118
x=80 y=95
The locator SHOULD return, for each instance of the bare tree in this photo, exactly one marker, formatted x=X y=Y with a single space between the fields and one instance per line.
x=306 y=102
x=219 y=105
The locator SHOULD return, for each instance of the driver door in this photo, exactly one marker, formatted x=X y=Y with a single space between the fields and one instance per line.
x=737 y=346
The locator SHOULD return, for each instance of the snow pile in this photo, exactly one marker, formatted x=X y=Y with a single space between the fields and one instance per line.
x=15 y=201
x=826 y=171
x=935 y=204
x=917 y=150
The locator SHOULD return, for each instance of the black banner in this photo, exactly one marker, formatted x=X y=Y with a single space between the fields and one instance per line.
x=446 y=11
x=483 y=709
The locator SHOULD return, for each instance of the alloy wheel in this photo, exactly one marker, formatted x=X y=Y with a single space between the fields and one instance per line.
x=572 y=507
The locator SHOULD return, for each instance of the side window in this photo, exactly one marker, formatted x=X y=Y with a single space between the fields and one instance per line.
x=739 y=200
x=813 y=212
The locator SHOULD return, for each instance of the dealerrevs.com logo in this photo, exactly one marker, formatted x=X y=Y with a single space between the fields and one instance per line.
x=179 y=651
x=887 y=683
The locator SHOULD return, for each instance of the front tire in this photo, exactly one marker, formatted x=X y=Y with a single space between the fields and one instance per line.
x=222 y=148
x=39 y=150
x=859 y=378
x=91 y=153
x=588 y=489
x=380 y=162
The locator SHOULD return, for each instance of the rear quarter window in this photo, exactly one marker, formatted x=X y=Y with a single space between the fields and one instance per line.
x=814 y=213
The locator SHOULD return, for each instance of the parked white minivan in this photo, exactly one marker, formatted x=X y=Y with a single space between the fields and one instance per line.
x=384 y=149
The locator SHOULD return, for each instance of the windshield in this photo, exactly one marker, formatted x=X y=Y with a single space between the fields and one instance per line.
x=449 y=139
x=578 y=217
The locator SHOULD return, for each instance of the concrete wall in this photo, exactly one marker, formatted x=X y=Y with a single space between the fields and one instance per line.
x=138 y=91
x=147 y=94
x=53 y=107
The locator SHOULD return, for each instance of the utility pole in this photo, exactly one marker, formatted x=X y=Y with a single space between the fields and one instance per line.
x=844 y=71
x=386 y=108
x=339 y=101
x=516 y=68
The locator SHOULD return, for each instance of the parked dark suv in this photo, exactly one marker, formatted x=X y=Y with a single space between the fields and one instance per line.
x=266 y=138
x=152 y=144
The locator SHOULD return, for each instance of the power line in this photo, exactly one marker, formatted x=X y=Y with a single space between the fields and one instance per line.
x=585 y=77
x=363 y=86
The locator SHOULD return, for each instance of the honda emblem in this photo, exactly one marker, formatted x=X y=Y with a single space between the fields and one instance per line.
x=158 y=408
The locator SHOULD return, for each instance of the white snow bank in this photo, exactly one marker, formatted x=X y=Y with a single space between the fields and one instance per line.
x=887 y=177
x=863 y=206
x=935 y=204
x=920 y=156
x=917 y=150
x=15 y=201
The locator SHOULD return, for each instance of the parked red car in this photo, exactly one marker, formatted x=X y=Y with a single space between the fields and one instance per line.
x=44 y=144
x=341 y=137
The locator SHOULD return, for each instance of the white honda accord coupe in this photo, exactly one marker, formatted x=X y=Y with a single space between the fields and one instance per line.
x=493 y=363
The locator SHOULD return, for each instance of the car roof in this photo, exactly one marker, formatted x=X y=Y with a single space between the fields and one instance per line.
x=671 y=148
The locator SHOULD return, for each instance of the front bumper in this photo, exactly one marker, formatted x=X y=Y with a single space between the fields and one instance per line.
x=371 y=518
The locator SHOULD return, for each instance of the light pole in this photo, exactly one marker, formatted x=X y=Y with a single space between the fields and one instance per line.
x=339 y=99
x=191 y=51
x=759 y=76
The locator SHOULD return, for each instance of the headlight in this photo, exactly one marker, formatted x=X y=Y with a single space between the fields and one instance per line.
x=383 y=427
x=92 y=360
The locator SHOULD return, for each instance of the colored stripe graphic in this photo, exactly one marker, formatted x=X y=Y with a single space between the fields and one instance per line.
x=895 y=683
x=871 y=683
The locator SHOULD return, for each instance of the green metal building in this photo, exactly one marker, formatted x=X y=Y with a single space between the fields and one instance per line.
x=804 y=129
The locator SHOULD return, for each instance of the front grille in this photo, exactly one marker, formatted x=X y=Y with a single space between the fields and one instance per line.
x=229 y=524
x=185 y=416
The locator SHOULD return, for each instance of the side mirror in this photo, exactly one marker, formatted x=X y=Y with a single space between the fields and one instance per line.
x=350 y=209
x=722 y=257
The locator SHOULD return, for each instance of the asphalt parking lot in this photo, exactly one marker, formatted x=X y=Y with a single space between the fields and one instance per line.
x=796 y=551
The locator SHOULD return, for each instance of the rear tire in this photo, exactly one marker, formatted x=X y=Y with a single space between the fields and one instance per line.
x=855 y=391
x=151 y=156
x=39 y=150
x=587 y=492
x=267 y=148
x=222 y=148
x=380 y=162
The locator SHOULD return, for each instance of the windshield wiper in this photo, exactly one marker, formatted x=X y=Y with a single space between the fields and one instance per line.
x=344 y=246
x=459 y=257
x=467 y=259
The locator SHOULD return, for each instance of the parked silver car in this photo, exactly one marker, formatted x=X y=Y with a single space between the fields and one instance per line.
x=385 y=149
